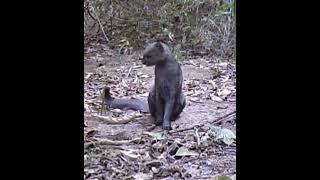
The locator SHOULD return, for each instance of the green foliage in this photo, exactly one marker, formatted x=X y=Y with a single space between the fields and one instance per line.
x=206 y=25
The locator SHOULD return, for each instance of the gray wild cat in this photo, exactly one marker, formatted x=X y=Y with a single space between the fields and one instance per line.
x=166 y=100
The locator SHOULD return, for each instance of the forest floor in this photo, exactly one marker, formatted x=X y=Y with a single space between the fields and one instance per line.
x=200 y=146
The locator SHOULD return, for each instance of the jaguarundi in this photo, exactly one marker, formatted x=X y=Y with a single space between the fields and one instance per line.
x=166 y=100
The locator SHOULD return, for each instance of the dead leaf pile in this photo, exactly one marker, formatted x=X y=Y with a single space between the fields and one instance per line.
x=220 y=88
x=156 y=154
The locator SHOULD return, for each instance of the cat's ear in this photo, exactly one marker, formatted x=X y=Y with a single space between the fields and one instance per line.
x=159 y=46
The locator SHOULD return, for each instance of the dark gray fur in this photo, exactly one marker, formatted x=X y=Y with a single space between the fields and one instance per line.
x=166 y=99
x=134 y=104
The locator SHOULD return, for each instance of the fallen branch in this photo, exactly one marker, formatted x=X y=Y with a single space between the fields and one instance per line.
x=120 y=120
x=216 y=121
x=111 y=142
x=197 y=136
x=151 y=128
x=129 y=71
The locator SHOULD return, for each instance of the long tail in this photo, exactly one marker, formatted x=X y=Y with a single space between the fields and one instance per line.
x=134 y=104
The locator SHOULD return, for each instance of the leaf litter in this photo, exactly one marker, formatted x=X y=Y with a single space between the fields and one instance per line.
x=121 y=145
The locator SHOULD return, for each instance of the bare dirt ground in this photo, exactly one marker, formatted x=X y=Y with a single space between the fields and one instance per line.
x=137 y=150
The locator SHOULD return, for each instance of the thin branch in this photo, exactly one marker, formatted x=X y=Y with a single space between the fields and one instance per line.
x=216 y=121
x=99 y=23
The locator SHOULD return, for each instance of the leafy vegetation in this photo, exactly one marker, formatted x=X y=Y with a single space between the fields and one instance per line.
x=195 y=27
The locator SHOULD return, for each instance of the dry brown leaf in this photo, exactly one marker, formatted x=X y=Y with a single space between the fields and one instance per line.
x=183 y=151
x=144 y=76
x=155 y=170
x=197 y=93
x=196 y=99
x=213 y=84
x=223 y=64
x=192 y=62
x=130 y=154
x=216 y=98
x=91 y=133
x=158 y=136
x=88 y=76
x=225 y=79
x=224 y=92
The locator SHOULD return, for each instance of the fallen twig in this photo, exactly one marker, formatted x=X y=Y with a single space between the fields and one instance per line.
x=197 y=136
x=111 y=142
x=128 y=74
x=120 y=120
x=151 y=128
x=216 y=121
